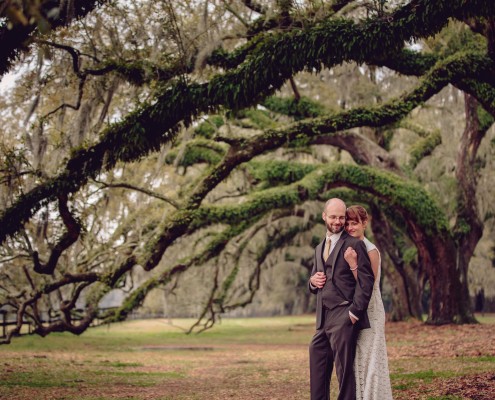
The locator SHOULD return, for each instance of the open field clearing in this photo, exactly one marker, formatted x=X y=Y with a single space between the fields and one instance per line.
x=257 y=358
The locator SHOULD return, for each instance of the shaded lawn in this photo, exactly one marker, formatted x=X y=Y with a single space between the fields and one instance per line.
x=256 y=358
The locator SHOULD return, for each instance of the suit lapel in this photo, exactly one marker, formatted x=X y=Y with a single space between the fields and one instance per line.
x=320 y=265
x=336 y=251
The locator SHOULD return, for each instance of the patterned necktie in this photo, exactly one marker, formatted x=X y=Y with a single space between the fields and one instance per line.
x=326 y=251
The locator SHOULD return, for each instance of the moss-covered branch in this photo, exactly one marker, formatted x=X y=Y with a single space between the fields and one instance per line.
x=196 y=151
x=276 y=241
x=211 y=251
x=424 y=147
x=413 y=63
x=275 y=173
x=452 y=69
x=15 y=36
x=325 y=44
x=406 y=196
x=296 y=108
x=362 y=149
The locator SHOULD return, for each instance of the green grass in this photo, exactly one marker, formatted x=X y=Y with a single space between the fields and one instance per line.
x=120 y=364
x=486 y=318
x=124 y=337
x=37 y=380
x=481 y=359
x=410 y=380
x=246 y=358
x=426 y=376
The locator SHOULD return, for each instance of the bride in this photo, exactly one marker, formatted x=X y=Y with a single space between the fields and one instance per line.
x=371 y=364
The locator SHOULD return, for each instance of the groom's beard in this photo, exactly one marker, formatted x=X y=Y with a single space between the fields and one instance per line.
x=334 y=228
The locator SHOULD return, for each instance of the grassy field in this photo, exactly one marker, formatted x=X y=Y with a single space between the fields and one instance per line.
x=256 y=358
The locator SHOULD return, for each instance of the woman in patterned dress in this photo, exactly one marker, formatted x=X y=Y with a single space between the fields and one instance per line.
x=371 y=362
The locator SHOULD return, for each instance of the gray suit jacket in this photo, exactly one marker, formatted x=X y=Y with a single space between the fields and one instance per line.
x=342 y=286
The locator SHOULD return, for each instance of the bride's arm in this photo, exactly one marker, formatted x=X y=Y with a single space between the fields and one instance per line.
x=351 y=258
x=375 y=261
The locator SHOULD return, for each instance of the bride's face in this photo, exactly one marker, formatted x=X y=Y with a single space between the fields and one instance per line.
x=355 y=228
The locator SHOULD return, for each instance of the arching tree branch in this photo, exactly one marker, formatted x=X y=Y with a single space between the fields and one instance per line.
x=125 y=185
x=15 y=40
x=89 y=162
x=68 y=238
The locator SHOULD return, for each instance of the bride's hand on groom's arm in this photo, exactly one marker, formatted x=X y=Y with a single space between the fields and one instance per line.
x=350 y=256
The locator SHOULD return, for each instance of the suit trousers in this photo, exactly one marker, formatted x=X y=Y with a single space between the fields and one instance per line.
x=335 y=343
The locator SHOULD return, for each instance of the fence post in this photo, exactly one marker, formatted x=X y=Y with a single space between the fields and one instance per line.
x=4 y=323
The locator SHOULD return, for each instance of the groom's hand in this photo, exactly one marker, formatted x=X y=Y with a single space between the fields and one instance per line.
x=353 y=320
x=318 y=279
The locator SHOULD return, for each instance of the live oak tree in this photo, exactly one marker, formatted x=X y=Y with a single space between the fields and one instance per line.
x=148 y=133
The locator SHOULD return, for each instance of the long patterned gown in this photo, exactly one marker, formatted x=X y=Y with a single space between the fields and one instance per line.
x=371 y=363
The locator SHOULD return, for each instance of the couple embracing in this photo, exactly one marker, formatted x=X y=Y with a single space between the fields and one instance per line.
x=350 y=318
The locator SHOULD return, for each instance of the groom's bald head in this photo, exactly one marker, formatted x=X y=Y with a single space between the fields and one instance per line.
x=334 y=203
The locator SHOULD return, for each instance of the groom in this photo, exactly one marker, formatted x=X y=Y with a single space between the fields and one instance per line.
x=341 y=304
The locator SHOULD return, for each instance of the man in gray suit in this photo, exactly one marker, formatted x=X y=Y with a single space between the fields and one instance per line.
x=341 y=304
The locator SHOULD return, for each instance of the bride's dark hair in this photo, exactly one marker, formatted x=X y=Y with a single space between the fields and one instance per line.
x=356 y=213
